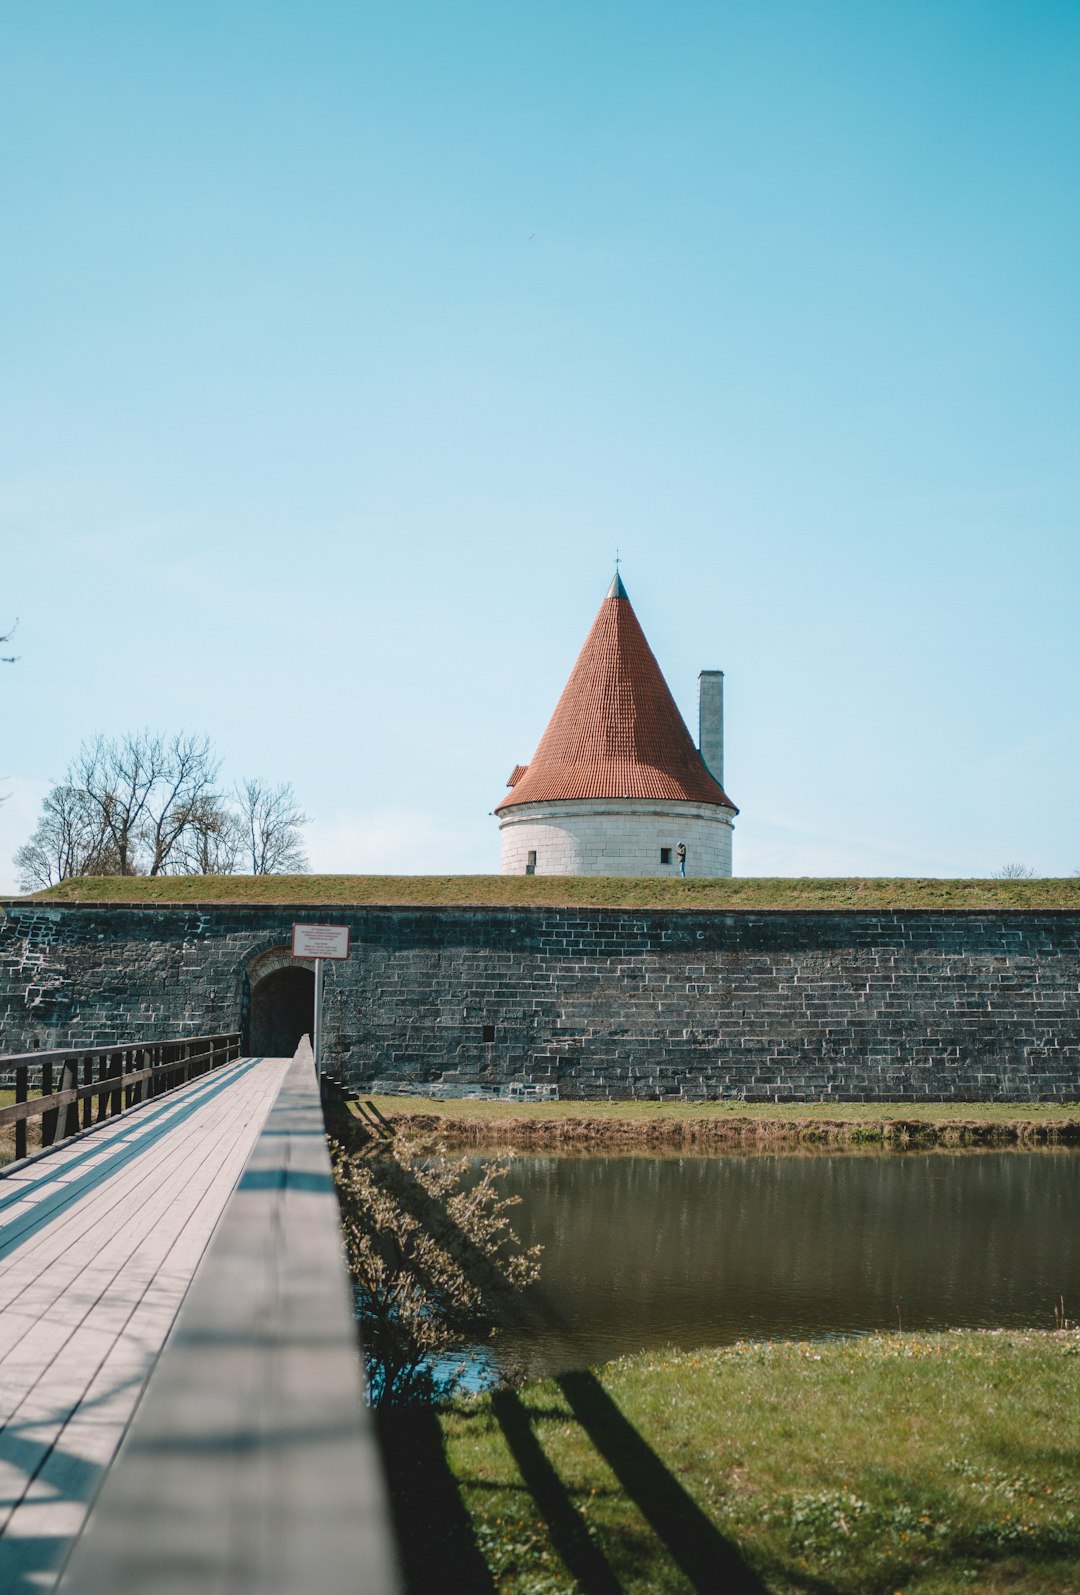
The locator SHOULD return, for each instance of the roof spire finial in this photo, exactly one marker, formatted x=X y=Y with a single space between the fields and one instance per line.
x=616 y=590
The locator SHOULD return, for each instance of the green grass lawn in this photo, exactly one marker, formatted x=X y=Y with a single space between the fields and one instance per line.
x=601 y=1127
x=636 y=1112
x=923 y=1463
x=7 y=1132
x=483 y=891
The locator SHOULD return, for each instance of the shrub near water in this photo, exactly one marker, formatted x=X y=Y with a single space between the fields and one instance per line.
x=927 y=1463
x=432 y=1256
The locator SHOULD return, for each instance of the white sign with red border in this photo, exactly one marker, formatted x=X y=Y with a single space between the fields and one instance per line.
x=320 y=941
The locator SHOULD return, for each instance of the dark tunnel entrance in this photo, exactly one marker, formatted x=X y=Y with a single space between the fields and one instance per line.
x=282 y=1010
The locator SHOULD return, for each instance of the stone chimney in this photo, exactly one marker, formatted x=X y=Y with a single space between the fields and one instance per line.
x=711 y=721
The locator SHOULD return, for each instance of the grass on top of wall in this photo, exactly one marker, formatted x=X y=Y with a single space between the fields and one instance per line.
x=928 y=1463
x=744 y=893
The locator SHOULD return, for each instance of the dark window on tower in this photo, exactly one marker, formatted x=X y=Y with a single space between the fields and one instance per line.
x=530 y=862
x=665 y=855
x=489 y=1032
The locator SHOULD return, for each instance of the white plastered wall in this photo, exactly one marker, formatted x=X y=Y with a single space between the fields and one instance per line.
x=620 y=836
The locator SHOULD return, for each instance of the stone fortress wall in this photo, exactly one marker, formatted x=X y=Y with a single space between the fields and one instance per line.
x=787 y=1006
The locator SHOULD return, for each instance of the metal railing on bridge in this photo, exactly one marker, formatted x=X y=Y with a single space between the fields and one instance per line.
x=114 y=1078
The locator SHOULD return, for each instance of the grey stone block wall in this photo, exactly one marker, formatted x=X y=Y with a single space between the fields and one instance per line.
x=766 y=1006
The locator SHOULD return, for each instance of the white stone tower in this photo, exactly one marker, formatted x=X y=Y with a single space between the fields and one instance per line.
x=617 y=786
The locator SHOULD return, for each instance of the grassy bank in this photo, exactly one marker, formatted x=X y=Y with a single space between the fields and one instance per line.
x=484 y=891
x=923 y=1463
x=7 y=1133
x=704 y=1126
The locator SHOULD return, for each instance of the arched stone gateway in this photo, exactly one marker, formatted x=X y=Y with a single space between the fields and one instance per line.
x=282 y=1002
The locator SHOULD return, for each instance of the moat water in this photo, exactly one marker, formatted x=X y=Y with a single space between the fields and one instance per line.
x=645 y=1252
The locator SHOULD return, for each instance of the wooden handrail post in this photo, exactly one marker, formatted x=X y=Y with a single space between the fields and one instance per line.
x=48 y=1119
x=88 y=1101
x=116 y=1096
x=21 y=1078
x=68 y=1122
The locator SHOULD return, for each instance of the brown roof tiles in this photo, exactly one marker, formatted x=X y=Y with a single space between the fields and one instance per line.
x=616 y=732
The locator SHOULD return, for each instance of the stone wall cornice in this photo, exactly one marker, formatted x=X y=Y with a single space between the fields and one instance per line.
x=330 y=911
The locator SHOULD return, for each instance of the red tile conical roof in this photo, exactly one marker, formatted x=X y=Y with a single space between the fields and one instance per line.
x=616 y=732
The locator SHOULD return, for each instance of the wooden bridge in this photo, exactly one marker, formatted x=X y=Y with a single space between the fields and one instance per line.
x=180 y=1385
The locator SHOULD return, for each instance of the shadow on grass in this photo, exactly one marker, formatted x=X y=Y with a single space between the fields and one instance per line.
x=435 y=1538
x=569 y=1535
x=434 y=1530
x=709 y=1560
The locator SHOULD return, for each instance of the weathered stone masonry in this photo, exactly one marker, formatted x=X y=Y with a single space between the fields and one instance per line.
x=795 y=1006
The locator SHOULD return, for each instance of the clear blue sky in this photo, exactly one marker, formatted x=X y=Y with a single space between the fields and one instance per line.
x=344 y=343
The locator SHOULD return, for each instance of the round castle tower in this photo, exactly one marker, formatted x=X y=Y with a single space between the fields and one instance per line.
x=617 y=786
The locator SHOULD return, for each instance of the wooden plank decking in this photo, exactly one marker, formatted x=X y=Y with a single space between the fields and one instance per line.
x=251 y=1466
x=99 y=1241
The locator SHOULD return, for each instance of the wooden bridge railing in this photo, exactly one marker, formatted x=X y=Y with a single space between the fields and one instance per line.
x=251 y=1465
x=115 y=1077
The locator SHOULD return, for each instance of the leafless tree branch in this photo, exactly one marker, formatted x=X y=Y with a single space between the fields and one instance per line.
x=271 y=818
x=69 y=839
x=146 y=804
x=187 y=772
x=211 y=843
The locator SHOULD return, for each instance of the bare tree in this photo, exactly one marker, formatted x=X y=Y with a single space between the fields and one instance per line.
x=145 y=789
x=69 y=839
x=433 y=1257
x=1013 y=872
x=118 y=777
x=271 y=820
x=212 y=842
x=184 y=788
x=146 y=805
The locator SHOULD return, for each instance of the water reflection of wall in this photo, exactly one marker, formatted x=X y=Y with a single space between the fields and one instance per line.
x=646 y=1252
